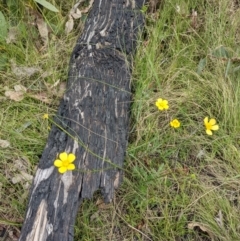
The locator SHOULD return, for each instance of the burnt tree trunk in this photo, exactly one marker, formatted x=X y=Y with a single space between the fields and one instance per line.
x=92 y=122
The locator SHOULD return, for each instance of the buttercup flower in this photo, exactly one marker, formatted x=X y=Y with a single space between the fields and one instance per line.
x=162 y=104
x=175 y=123
x=210 y=125
x=64 y=163
x=45 y=116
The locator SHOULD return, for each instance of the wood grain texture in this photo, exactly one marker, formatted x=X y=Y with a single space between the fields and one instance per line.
x=91 y=122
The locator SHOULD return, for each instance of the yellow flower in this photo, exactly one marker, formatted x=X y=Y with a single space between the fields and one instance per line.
x=45 y=116
x=64 y=163
x=210 y=125
x=162 y=104
x=175 y=123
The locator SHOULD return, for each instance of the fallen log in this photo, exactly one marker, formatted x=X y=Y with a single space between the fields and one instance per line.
x=91 y=123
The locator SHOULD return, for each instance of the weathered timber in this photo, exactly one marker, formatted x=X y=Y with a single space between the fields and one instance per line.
x=91 y=122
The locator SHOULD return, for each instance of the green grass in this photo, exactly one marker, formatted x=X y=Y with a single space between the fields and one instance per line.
x=21 y=122
x=175 y=179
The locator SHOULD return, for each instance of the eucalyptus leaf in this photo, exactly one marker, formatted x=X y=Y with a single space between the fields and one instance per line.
x=236 y=69
x=24 y=126
x=47 y=5
x=201 y=65
x=221 y=52
x=228 y=68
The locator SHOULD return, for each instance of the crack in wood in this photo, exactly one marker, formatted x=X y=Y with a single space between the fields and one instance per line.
x=91 y=122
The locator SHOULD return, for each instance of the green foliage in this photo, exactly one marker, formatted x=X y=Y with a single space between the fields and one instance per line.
x=21 y=122
x=47 y=5
x=192 y=66
x=3 y=27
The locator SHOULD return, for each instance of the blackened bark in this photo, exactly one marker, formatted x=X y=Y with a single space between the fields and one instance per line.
x=92 y=122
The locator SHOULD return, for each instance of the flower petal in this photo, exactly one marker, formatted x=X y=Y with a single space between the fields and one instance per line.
x=63 y=156
x=71 y=167
x=62 y=169
x=209 y=132
x=45 y=116
x=206 y=120
x=158 y=104
x=212 y=122
x=71 y=157
x=215 y=127
x=57 y=163
x=175 y=123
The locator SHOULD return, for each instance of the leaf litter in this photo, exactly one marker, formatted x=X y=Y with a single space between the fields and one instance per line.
x=202 y=227
x=20 y=173
x=42 y=96
x=22 y=71
x=17 y=94
x=43 y=30
x=12 y=35
x=4 y=143
x=76 y=13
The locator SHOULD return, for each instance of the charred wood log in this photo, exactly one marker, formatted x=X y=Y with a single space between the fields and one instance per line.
x=91 y=122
